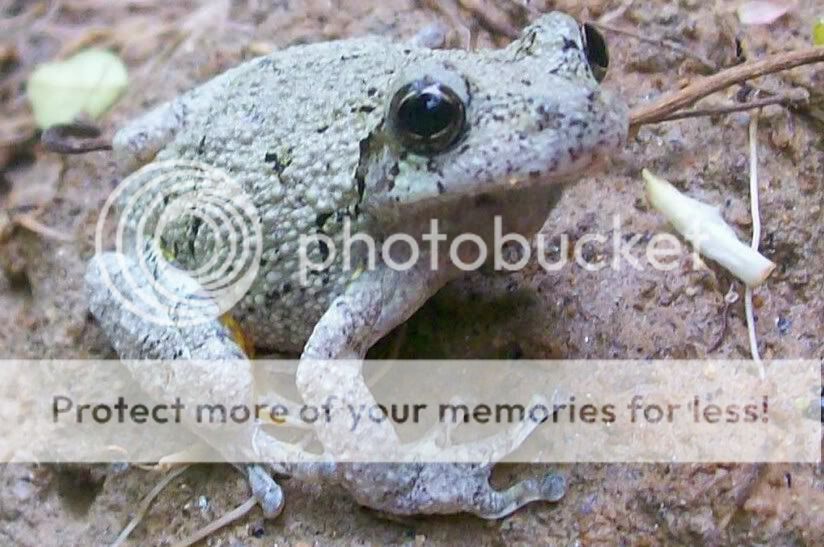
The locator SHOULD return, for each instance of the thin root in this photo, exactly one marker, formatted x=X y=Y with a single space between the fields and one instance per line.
x=146 y=503
x=794 y=99
x=233 y=515
x=31 y=224
x=756 y=237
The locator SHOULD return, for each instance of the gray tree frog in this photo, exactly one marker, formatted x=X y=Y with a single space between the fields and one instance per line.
x=385 y=137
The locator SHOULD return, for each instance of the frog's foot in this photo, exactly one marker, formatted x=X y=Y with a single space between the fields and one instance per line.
x=372 y=306
x=444 y=488
x=498 y=504
x=267 y=492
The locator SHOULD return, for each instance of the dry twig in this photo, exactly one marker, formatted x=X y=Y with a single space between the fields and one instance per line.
x=74 y=138
x=146 y=503
x=663 y=42
x=793 y=99
x=233 y=515
x=30 y=223
x=452 y=13
x=662 y=108
x=491 y=17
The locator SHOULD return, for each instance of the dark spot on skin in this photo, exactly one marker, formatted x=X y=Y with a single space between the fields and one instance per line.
x=201 y=147
x=470 y=93
x=366 y=109
x=526 y=82
x=287 y=288
x=277 y=165
x=527 y=42
x=323 y=129
x=463 y=149
x=324 y=250
x=534 y=174
x=321 y=219
x=441 y=188
x=360 y=170
x=371 y=91
x=555 y=71
x=569 y=44
x=394 y=171
x=197 y=222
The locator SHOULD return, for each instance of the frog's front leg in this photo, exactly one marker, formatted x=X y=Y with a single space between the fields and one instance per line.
x=330 y=369
x=140 y=140
x=197 y=357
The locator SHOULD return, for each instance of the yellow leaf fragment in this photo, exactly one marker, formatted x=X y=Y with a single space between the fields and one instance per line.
x=818 y=32
x=89 y=82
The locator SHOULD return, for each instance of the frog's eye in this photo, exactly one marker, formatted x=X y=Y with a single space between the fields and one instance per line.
x=427 y=116
x=595 y=48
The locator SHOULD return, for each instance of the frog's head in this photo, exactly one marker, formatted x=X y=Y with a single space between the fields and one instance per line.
x=459 y=123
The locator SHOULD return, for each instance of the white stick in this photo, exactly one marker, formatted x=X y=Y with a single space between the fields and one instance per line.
x=705 y=228
x=756 y=235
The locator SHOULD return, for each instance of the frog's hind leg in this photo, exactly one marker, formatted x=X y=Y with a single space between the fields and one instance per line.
x=330 y=368
x=495 y=504
x=197 y=356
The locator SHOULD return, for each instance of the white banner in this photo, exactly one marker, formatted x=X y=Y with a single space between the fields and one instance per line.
x=410 y=411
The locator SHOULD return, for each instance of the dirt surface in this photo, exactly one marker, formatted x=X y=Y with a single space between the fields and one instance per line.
x=169 y=46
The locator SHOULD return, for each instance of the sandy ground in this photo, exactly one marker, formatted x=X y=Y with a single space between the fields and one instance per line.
x=533 y=314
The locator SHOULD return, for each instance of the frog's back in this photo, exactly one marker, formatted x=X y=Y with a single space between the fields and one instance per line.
x=288 y=129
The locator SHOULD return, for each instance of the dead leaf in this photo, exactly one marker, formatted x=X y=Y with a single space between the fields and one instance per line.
x=87 y=83
x=763 y=12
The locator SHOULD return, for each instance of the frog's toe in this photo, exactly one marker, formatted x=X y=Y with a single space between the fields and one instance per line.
x=268 y=493
x=495 y=504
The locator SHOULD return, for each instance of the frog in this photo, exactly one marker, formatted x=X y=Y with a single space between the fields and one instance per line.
x=378 y=137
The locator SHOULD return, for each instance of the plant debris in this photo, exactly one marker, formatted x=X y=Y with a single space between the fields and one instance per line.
x=87 y=83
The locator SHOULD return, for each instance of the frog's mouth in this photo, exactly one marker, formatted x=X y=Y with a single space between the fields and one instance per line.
x=413 y=189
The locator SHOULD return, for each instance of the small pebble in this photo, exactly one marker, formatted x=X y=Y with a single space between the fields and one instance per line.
x=784 y=325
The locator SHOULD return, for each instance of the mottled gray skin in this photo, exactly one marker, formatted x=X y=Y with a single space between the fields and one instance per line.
x=304 y=132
